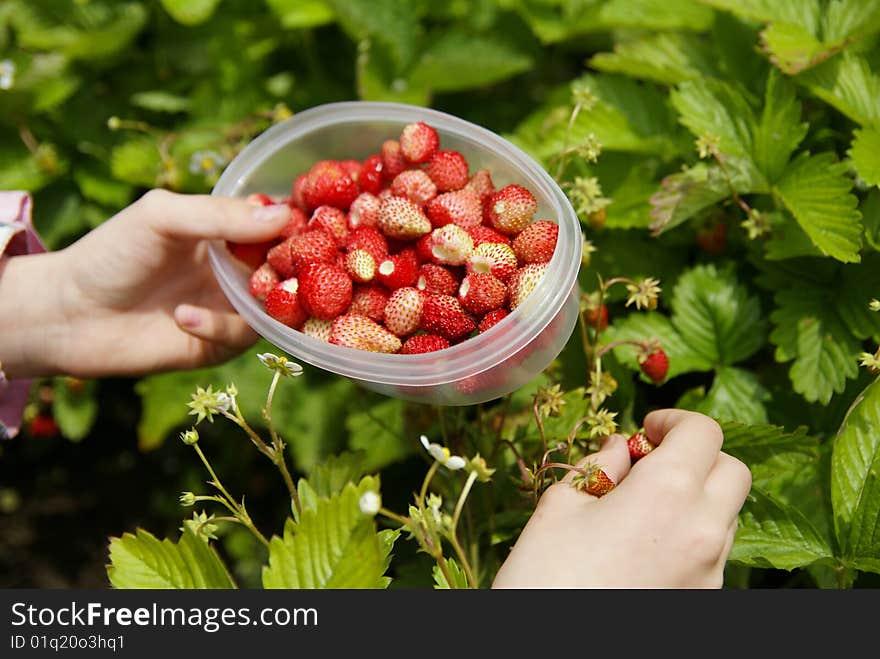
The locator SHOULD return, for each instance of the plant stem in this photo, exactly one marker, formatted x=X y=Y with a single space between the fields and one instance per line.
x=444 y=568
x=390 y=514
x=465 y=564
x=459 y=505
x=424 y=491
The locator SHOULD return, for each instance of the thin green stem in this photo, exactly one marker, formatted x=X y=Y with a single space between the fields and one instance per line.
x=444 y=568
x=390 y=514
x=459 y=505
x=215 y=479
x=465 y=563
x=424 y=491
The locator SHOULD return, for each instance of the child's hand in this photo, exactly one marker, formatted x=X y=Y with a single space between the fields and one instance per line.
x=135 y=295
x=669 y=523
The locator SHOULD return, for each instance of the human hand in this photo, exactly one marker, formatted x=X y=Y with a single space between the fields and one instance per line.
x=669 y=523
x=135 y=295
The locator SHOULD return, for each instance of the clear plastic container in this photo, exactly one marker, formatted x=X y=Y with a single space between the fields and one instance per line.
x=487 y=366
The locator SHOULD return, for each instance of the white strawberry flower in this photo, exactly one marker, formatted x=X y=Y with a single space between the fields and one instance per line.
x=281 y=365
x=370 y=503
x=206 y=162
x=442 y=455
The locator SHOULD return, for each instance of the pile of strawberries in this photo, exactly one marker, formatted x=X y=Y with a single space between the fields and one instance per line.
x=405 y=252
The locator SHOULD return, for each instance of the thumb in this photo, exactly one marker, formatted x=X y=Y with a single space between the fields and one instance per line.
x=206 y=217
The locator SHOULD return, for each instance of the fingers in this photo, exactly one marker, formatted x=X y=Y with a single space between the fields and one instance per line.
x=684 y=437
x=728 y=485
x=198 y=217
x=612 y=458
x=224 y=328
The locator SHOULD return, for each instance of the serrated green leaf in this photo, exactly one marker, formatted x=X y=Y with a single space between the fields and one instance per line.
x=757 y=443
x=850 y=19
x=333 y=546
x=143 y=561
x=711 y=107
x=817 y=192
x=75 y=407
x=459 y=578
x=190 y=12
x=330 y=476
x=787 y=239
x=684 y=194
x=793 y=48
x=388 y=21
x=870 y=210
x=847 y=83
x=774 y=534
x=799 y=12
x=295 y=14
x=379 y=431
x=655 y=15
x=667 y=58
x=865 y=154
x=779 y=130
x=735 y=395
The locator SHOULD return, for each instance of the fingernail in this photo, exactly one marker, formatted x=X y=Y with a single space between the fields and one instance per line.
x=273 y=213
x=187 y=316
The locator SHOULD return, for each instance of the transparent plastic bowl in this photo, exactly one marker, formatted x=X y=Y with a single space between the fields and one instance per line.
x=482 y=368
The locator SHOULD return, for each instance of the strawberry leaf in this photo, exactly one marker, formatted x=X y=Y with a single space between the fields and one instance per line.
x=792 y=48
x=459 y=578
x=779 y=130
x=798 y=12
x=295 y=14
x=865 y=154
x=655 y=15
x=379 y=431
x=190 y=12
x=711 y=107
x=735 y=395
x=665 y=58
x=870 y=209
x=847 y=83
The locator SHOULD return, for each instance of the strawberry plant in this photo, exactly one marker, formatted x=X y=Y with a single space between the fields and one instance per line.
x=723 y=158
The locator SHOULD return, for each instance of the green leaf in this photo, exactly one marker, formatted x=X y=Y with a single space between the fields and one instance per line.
x=459 y=578
x=330 y=476
x=779 y=130
x=190 y=12
x=101 y=188
x=377 y=78
x=865 y=154
x=75 y=407
x=736 y=395
x=161 y=101
x=870 y=209
x=774 y=534
x=787 y=239
x=792 y=48
x=333 y=546
x=817 y=192
x=759 y=443
x=379 y=431
x=655 y=15
x=850 y=19
x=136 y=161
x=667 y=58
x=295 y=14
x=143 y=561
x=847 y=83
x=711 y=107
x=798 y=12
x=390 y=22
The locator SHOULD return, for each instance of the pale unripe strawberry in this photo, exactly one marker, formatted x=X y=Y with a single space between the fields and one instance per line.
x=370 y=301
x=317 y=329
x=496 y=259
x=284 y=303
x=461 y=207
x=451 y=245
x=401 y=218
x=364 y=211
x=418 y=142
x=415 y=185
x=263 y=280
x=422 y=343
x=325 y=290
x=481 y=183
x=359 y=332
x=398 y=270
x=404 y=311
x=510 y=210
x=435 y=278
x=393 y=161
x=332 y=220
x=443 y=315
x=491 y=319
x=481 y=293
x=449 y=170
x=523 y=282
x=536 y=243
x=360 y=266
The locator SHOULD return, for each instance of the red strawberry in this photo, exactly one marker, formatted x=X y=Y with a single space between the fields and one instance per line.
x=332 y=220
x=393 y=161
x=423 y=249
x=259 y=199
x=422 y=343
x=399 y=270
x=639 y=446
x=360 y=265
x=314 y=246
x=418 y=142
x=443 y=315
x=352 y=168
x=370 y=240
x=596 y=483
x=281 y=260
x=597 y=317
x=491 y=319
x=369 y=301
x=654 y=364
x=329 y=184
x=370 y=177
x=713 y=239
x=284 y=303
x=251 y=254
x=451 y=245
x=481 y=183
x=536 y=243
x=404 y=311
x=511 y=209
x=483 y=234
x=449 y=170
x=401 y=218
x=461 y=207
x=355 y=331
x=296 y=193
x=414 y=185
x=297 y=224
x=481 y=293
x=523 y=282
x=325 y=290
x=437 y=279
x=495 y=258
x=317 y=329
x=43 y=425
x=364 y=211
x=263 y=280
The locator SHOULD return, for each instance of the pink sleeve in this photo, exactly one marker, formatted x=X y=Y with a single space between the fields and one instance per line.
x=17 y=236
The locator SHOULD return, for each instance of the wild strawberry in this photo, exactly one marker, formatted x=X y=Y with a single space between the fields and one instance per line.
x=422 y=343
x=296 y=194
x=251 y=254
x=436 y=279
x=451 y=245
x=481 y=183
x=449 y=170
x=352 y=168
x=325 y=290
x=491 y=319
x=404 y=311
x=284 y=303
x=596 y=482
x=355 y=331
x=43 y=426
x=597 y=317
x=317 y=329
x=370 y=240
x=297 y=224
x=511 y=209
x=423 y=249
x=314 y=246
x=399 y=270
x=655 y=364
x=414 y=184
x=401 y=218
x=393 y=161
x=418 y=142
x=329 y=184
x=639 y=446
x=370 y=301
x=360 y=265
x=523 y=282
x=483 y=234
x=461 y=207
x=364 y=211
x=281 y=260
x=536 y=243
x=481 y=293
x=497 y=259
x=443 y=315
x=263 y=280
x=332 y=220
x=713 y=239
x=370 y=177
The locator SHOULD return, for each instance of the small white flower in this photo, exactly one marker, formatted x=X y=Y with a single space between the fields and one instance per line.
x=442 y=455
x=224 y=402
x=282 y=365
x=369 y=503
x=207 y=163
x=7 y=74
